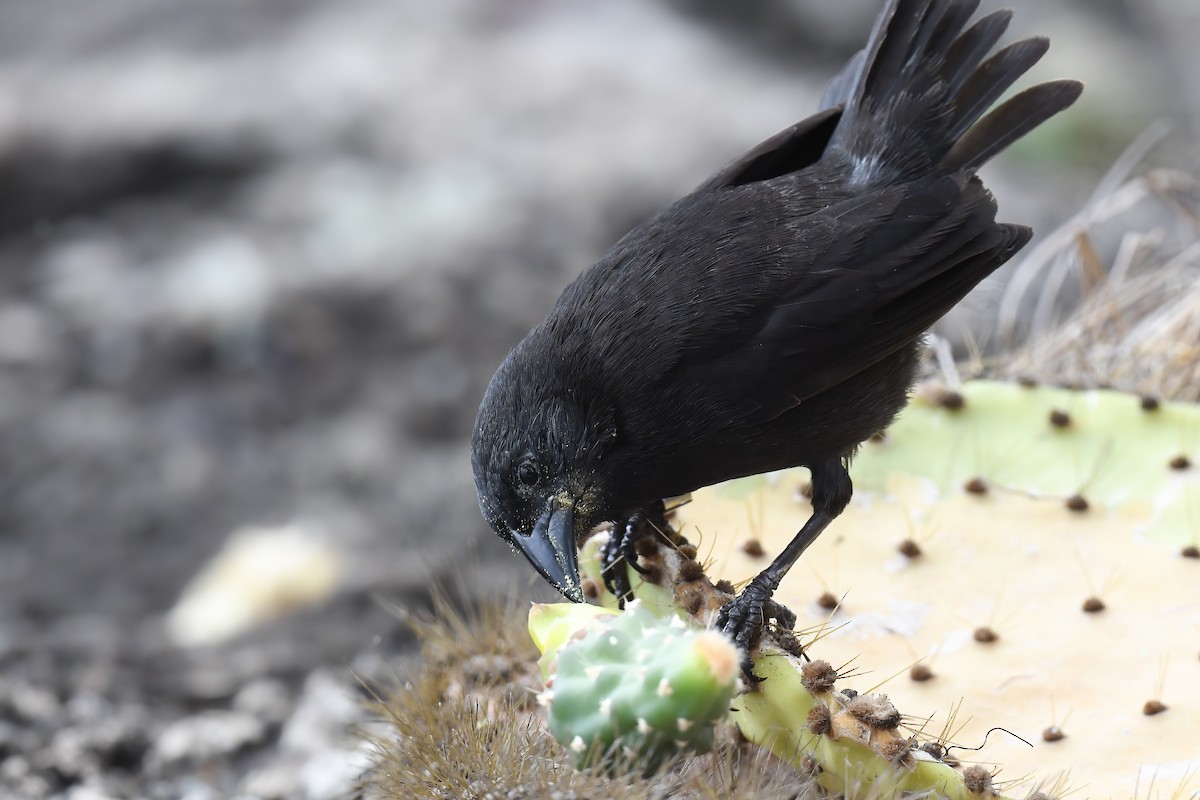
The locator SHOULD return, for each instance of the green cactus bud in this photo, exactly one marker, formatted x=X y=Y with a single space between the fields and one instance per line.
x=632 y=686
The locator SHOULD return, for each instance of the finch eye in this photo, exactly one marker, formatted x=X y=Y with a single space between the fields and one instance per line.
x=528 y=473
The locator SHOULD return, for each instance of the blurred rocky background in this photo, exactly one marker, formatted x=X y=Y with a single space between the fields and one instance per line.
x=258 y=259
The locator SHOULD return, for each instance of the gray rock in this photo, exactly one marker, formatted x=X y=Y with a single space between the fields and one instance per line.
x=265 y=699
x=26 y=702
x=193 y=788
x=68 y=754
x=323 y=715
x=206 y=736
x=12 y=738
x=119 y=742
x=87 y=792
x=331 y=775
x=18 y=777
x=27 y=335
x=278 y=780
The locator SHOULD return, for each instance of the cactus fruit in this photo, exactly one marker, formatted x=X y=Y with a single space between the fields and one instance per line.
x=633 y=686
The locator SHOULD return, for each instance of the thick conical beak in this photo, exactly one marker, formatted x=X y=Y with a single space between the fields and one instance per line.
x=551 y=549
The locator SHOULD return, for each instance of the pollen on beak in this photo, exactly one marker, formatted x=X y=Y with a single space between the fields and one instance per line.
x=550 y=548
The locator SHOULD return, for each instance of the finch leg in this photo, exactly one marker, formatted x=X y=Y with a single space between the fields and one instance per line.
x=742 y=618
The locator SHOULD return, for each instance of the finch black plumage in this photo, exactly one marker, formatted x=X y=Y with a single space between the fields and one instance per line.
x=772 y=317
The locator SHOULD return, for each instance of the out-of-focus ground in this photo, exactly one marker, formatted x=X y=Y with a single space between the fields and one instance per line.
x=258 y=260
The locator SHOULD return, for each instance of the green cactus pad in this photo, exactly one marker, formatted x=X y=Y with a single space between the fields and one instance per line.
x=632 y=686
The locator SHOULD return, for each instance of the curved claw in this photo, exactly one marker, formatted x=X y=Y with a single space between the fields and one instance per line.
x=622 y=546
x=616 y=579
x=742 y=619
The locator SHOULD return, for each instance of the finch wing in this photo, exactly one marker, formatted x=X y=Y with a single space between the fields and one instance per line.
x=862 y=279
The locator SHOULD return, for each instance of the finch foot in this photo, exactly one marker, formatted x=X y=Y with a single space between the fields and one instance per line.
x=622 y=547
x=743 y=618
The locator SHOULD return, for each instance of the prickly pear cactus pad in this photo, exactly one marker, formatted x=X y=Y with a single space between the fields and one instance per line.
x=632 y=686
x=850 y=744
x=1029 y=553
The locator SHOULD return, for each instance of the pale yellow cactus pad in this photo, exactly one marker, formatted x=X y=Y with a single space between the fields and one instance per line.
x=1021 y=506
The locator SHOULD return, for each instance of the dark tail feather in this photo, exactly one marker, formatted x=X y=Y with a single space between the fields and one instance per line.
x=951 y=25
x=970 y=49
x=926 y=29
x=892 y=63
x=986 y=84
x=916 y=93
x=848 y=84
x=1012 y=120
x=882 y=73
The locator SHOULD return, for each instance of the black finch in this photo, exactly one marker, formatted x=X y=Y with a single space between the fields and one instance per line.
x=772 y=318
